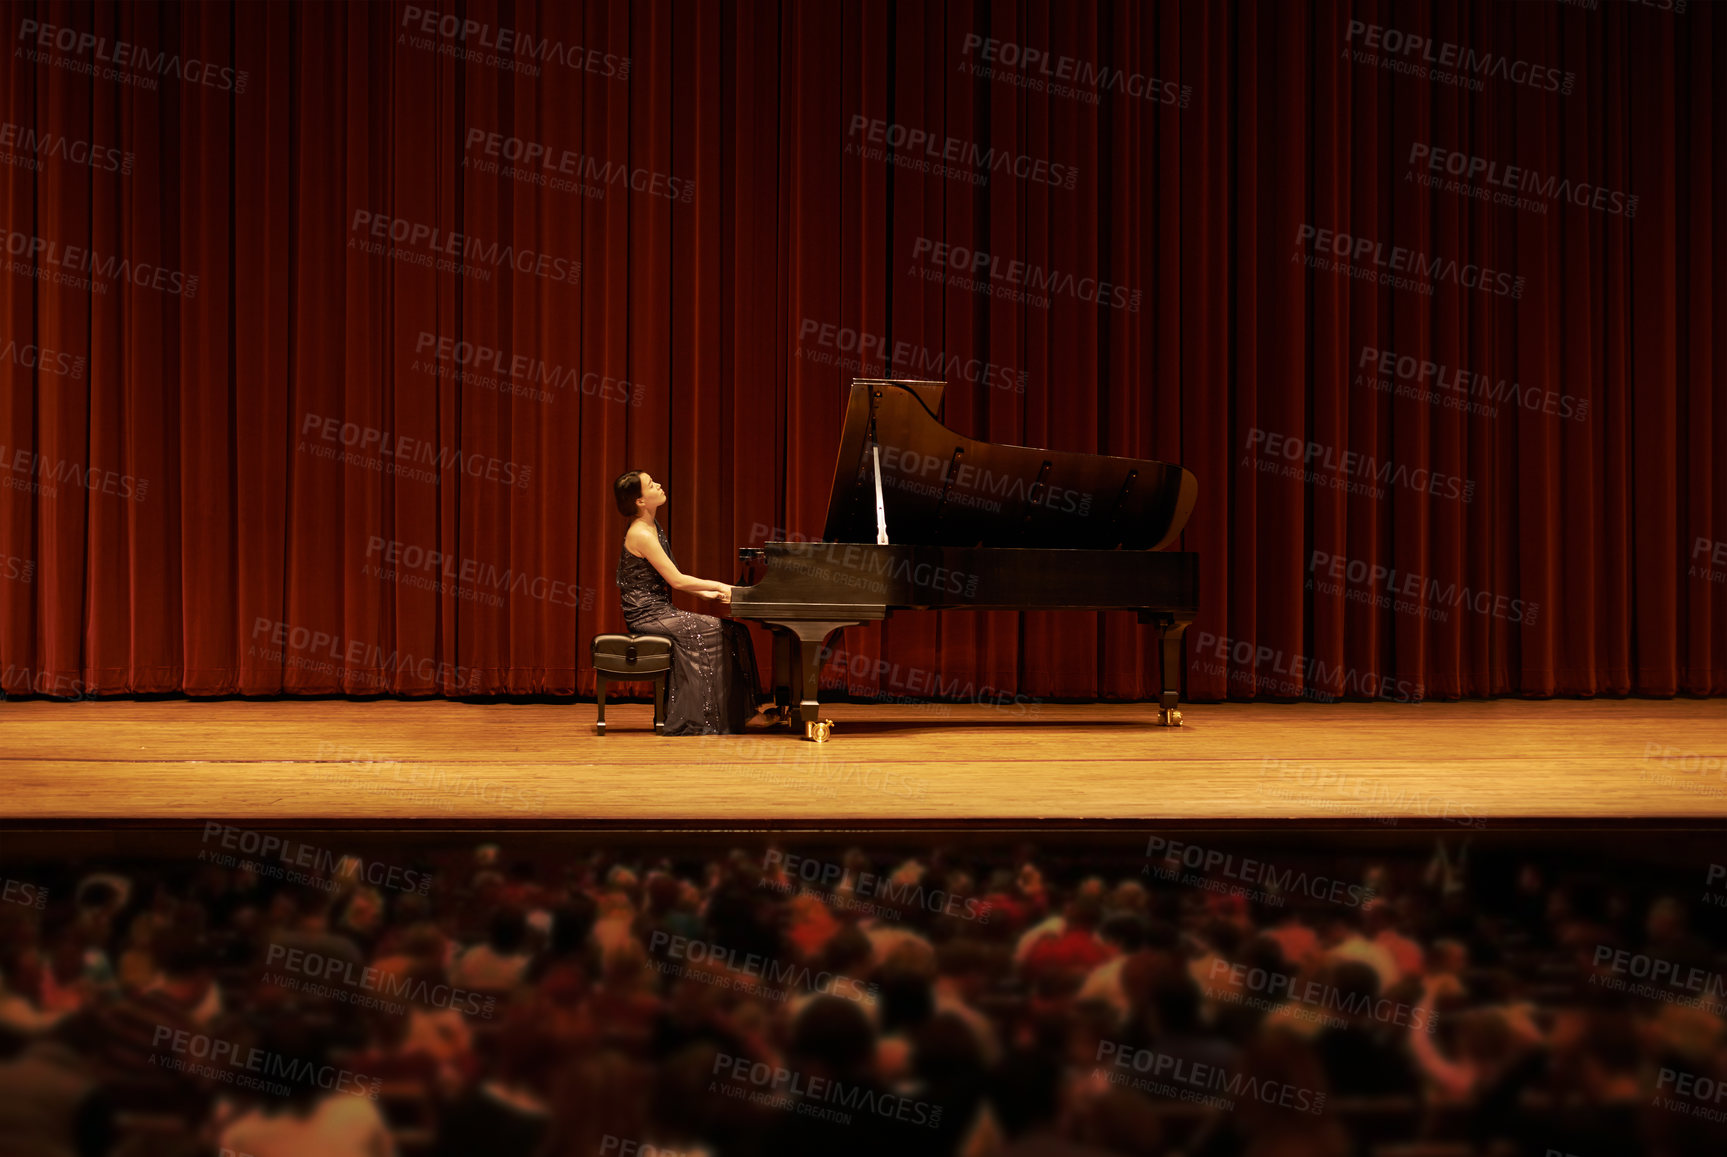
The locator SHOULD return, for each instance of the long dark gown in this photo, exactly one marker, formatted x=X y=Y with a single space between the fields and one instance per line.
x=713 y=684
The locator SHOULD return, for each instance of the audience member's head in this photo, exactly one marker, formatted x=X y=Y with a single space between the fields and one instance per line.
x=1085 y=913
x=184 y=959
x=835 y=1036
x=1026 y=1092
x=1125 y=930
x=508 y=931
x=1356 y=986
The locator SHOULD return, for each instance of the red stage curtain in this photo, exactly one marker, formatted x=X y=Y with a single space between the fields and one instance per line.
x=178 y=514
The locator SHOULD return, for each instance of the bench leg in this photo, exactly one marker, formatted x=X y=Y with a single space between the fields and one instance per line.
x=660 y=682
x=600 y=696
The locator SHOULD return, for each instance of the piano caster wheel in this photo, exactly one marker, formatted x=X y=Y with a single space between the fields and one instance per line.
x=817 y=730
x=1169 y=717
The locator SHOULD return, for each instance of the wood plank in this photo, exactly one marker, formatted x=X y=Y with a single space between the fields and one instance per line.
x=1444 y=763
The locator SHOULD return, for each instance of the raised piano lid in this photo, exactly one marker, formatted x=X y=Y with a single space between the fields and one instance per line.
x=942 y=488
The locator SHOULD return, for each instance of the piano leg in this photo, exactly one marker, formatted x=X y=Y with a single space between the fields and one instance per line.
x=805 y=645
x=1169 y=632
x=784 y=644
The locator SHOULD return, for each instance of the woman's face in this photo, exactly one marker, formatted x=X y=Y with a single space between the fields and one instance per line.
x=653 y=494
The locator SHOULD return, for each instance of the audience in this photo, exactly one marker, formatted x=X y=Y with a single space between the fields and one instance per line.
x=300 y=1112
x=982 y=1005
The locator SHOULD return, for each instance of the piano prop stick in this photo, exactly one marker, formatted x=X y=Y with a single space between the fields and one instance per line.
x=977 y=526
x=880 y=507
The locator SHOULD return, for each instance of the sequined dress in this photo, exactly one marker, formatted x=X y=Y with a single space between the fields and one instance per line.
x=713 y=684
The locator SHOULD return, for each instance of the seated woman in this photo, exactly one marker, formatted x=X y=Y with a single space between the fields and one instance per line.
x=713 y=682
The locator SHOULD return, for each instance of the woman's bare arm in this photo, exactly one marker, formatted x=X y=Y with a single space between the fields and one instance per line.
x=1456 y=1079
x=648 y=546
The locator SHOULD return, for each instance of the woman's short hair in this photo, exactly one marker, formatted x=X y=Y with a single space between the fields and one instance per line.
x=627 y=489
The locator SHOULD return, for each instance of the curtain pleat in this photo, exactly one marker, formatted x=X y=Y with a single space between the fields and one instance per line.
x=369 y=322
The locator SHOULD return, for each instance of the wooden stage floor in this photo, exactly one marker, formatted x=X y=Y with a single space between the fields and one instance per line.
x=405 y=763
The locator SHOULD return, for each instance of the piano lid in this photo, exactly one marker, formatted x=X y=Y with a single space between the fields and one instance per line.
x=942 y=488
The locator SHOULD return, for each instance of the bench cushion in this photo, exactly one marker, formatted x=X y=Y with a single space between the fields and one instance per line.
x=632 y=654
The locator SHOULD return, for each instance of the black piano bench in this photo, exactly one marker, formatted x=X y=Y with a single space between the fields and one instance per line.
x=630 y=658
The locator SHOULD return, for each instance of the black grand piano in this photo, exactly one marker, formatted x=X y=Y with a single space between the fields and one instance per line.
x=921 y=517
